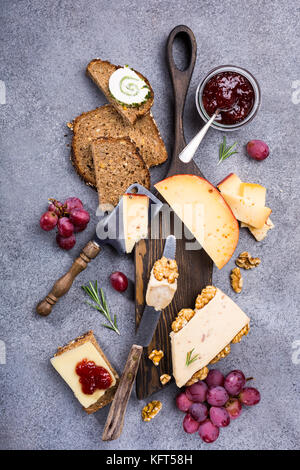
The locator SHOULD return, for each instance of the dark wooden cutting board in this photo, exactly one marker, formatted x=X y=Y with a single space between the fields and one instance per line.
x=195 y=267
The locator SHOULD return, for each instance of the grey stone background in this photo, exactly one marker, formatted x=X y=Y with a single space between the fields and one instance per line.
x=45 y=47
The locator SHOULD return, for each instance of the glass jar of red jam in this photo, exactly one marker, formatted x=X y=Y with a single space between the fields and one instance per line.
x=234 y=92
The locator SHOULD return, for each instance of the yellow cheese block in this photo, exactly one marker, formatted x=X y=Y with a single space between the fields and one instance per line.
x=65 y=364
x=254 y=192
x=204 y=212
x=246 y=211
x=211 y=329
x=135 y=217
x=260 y=233
x=230 y=184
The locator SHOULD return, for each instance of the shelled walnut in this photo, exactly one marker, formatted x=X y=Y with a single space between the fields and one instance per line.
x=221 y=354
x=151 y=410
x=199 y=375
x=206 y=295
x=182 y=319
x=246 y=261
x=156 y=356
x=164 y=379
x=244 y=331
x=236 y=280
x=165 y=269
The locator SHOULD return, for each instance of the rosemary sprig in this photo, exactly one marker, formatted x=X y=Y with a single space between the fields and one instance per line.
x=101 y=305
x=226 y=152
x=189 y=358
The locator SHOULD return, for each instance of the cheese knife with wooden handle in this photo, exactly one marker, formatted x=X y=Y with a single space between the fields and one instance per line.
x=115 y=419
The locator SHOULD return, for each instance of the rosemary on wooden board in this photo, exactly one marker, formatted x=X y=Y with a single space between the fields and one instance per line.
x=97 y=295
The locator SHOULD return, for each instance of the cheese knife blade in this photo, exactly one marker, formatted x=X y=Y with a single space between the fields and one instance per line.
x=151 y=316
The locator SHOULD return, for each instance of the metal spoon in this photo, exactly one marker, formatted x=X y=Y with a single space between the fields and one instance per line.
x=189 y=151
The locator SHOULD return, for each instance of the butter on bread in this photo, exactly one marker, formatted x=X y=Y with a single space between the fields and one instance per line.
x=215 y=322
x=65 y=360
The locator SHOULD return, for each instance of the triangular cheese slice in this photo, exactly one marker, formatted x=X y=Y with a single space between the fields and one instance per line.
x=135 y=219
x=211 y=329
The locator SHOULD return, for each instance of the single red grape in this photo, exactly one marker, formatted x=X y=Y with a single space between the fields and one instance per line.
x=48 y=221
x=189 y=424
x=208 y=431
x=217 y=396
x=234 y=382
x=197 y=392
x=249 y=396
x=214 y=378
x=219 y=416
x=65 y=227
x=182 y=402
x=80 y=228
x=198 y=411
x=79 y=217
x=234 y=408
x=119 y=281
x=72 y=203
x=65 y=243
x=258 y=149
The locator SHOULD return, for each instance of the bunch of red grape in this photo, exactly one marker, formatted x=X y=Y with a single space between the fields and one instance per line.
x=69 y=218
x=212 y=404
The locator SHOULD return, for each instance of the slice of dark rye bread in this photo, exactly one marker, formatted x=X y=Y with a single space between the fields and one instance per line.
x=100 y=72
x=110 y=393
x=118 y=164
x=106 y=122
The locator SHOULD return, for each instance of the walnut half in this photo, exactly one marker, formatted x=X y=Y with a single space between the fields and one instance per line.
x=236 y=280
x=156 y=356
x=151 y=410
x=164 y=379
x=199 y=375
x=246 y=261
x=165 y=269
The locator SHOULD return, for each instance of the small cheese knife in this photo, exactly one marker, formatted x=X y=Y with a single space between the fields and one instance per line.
x=115 y=220
x=115 y=419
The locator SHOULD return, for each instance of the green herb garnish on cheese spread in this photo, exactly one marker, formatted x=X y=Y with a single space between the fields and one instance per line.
x=128 y=88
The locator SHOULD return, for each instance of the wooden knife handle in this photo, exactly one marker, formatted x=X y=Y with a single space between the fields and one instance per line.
x=61 y=287
x=115 y=419
x=180 y=80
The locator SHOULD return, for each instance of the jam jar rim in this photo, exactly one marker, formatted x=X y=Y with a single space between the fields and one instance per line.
x=228 y=68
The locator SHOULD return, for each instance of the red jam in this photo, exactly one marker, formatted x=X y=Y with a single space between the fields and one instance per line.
x=92 y=377
x=230 y=92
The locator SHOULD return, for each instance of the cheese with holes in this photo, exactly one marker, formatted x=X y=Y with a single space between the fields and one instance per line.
x=135 y=217
x=230 y=184
x=65 y=365
x=204 y=212
x=247 y=211
x=254 y=192
x=208 y=332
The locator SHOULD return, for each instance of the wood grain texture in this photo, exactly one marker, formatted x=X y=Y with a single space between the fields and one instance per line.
x=115 y=419
x=195 y=267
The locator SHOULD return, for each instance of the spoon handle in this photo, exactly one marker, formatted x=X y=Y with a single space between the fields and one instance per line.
x=189 y=151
